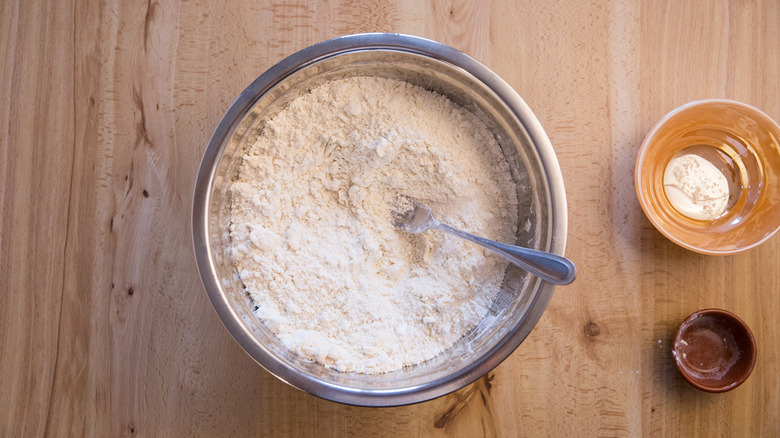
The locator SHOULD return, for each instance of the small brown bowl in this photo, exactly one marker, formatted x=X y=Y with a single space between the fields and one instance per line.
x=714 y=350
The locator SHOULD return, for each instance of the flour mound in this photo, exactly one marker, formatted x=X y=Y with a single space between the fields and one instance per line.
x=312 y=237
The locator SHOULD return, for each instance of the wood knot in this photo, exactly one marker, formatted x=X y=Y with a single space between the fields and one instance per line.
x=130 y=291
x=146 y=194
x=464 y=396
x=591 y=329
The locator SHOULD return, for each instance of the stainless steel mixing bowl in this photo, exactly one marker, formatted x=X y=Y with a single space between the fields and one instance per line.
x=433 y=66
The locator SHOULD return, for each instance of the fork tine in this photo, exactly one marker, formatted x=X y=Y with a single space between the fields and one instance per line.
x=401 y=212
x=399 y=219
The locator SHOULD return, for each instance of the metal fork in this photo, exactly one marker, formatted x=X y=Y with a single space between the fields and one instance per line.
x=417 y=218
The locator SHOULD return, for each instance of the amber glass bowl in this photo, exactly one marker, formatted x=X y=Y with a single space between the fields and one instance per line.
x=744 y=144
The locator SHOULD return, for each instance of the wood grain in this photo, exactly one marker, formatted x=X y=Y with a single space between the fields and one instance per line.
x=105 y=329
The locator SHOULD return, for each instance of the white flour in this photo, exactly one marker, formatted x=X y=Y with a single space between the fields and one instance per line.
x=312 y=237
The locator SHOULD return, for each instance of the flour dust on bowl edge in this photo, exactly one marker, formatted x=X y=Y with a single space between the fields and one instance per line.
x=435 y=67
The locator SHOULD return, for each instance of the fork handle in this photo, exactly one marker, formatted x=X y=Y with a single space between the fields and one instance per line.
x=545 y=265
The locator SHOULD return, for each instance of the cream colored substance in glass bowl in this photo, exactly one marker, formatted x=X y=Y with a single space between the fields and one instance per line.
x=695 y=187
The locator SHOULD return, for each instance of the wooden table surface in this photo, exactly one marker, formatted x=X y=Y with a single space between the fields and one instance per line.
x=105 y=329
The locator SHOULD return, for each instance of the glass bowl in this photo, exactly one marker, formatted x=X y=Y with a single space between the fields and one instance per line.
x=744 y=144
x=436 y=67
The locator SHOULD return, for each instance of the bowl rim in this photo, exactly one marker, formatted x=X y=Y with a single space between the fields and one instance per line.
x=723 y=313
x=648 y=210
x=556 y=210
